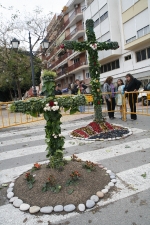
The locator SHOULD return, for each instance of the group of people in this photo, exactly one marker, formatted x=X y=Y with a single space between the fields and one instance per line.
x=113 y=96
x=77 y=88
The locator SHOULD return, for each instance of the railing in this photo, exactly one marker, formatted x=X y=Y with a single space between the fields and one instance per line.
x=70 y=68
x=76 y=65
x=79 y=28
x=61 y=58
x=72 y=16
x=65 y=70
x=8 y=119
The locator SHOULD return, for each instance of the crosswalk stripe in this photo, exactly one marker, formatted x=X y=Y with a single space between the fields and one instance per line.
x=28 y=139
x=115 y=150
x=37 y=149
x=42 y=137
x=30 y=131
x=63 y=126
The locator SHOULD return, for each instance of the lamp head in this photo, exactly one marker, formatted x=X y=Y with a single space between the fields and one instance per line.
x=44 y=44
x=15 y=43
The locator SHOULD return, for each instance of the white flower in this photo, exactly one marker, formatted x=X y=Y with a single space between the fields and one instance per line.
x=54 y=108
x=93 y=46
x=60 y=135
x=55 y=136
x=56 y=103
x=45 y=109
x=48 y=109
x=47 y=104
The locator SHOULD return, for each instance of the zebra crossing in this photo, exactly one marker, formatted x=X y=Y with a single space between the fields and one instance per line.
x=129 y=158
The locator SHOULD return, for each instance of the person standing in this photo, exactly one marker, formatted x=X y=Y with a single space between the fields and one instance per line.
x=120 y=92
x=79 y=88
x=132 y=85
x=57 y=90
x=110 y=97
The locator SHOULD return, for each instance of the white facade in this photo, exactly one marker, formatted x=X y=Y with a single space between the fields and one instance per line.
x=115 y=21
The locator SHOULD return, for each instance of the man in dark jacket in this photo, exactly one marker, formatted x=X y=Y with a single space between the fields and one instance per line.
x=57 y=90
x=132 y=85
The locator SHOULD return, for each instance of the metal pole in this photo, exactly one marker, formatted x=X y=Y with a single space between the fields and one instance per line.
x=15 y=87
x=32 y=68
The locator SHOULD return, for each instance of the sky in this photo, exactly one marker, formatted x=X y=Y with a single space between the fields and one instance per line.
x=47 y=5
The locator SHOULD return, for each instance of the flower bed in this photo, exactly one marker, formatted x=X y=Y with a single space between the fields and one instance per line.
x=100 y=131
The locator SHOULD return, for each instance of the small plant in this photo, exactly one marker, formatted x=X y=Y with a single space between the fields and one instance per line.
x=144 y=175
x=51 y=185
x=36 y=166
x=74 y=157
x=90 y=166
x=74 y=178
x=30 y=180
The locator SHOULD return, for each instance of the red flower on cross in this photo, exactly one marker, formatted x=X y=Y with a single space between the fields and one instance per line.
x=62 y=46
x=51 y=103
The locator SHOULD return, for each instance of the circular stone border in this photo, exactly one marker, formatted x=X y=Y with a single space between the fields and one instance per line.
x=104 y=139
x=90 y=203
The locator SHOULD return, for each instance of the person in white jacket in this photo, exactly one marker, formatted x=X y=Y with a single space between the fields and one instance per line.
x=120 y=92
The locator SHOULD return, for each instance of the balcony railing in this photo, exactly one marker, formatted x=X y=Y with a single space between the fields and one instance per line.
x=79 y=28
x=61 y=58
x=76 y=65
x=65 y=70
x=71 y=68
x=77 y=11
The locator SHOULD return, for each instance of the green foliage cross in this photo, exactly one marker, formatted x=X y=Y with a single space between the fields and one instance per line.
x=50 y=106
x=92 y=47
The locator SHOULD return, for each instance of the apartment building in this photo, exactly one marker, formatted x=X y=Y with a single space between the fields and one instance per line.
x=124 y=21
x=128 y=23
x=69 y=25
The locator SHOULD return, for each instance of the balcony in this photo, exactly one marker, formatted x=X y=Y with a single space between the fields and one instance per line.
x=75 y=67
x=76 y=16
x=61 y=58
x=76 y=33
x=144 y=40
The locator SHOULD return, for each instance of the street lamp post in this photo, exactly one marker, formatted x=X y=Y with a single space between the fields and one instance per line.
x=44 y=45
x=32 y=68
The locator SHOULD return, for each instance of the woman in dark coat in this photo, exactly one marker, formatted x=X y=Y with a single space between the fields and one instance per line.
x=132 y=85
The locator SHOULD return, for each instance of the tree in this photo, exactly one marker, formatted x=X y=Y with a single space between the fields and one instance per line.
x=15 y=66
x=16 y=71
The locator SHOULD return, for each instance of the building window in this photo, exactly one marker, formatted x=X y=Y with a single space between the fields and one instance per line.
x=96 y=23
x=76 y=60
x=143 y=54
x=87 y=75
x=130 y=39
x=110 y=66
x=148 y=52
x=128 y=57
x=104 y=16
x=143 y=31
